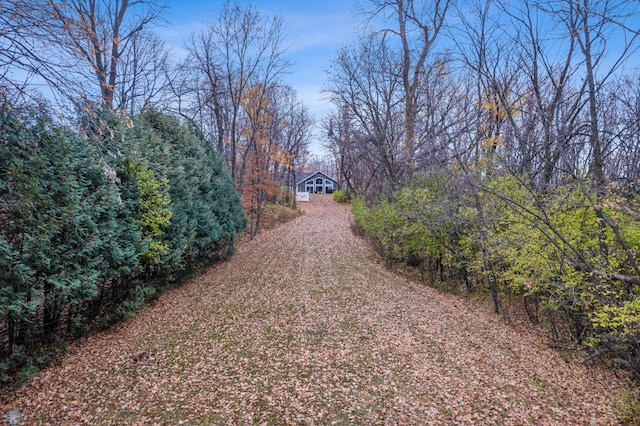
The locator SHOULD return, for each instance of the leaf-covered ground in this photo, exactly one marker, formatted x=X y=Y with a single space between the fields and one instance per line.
x=303 y=326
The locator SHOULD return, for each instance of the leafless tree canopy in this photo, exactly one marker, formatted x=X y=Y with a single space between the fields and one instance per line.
x=547 y=86
x=98 y=50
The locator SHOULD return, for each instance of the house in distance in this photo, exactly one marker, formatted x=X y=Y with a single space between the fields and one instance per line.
x=316 y=183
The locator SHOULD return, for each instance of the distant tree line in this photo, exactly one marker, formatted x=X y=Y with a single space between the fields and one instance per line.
x=496 y=145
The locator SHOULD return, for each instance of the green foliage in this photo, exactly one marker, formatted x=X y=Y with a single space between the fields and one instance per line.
x=155 y=214
x=628 y=407
x=557 y=245
x=360 y=210
x=93 y=223
x=136 y=300
x=572 y=250
x=622 y=320
x=57 y=212
x=53 y=214
x=421 y=226
x=341 y=196
x=205 y=209
x=23 y=363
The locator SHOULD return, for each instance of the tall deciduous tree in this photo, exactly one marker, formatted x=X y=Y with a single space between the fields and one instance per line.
x=144 y=75
x=364 y=84
x=592 y=24
x=274 y=135
x=238 y=50
x=417 y=26
x=89 y=40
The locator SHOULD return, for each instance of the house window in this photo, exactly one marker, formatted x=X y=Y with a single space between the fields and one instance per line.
x=319 y=181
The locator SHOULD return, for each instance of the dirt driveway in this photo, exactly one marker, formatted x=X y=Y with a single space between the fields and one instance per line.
x=304 y=326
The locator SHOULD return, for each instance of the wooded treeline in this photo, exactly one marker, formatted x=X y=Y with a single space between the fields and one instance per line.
x=124 y=165
x=226 y=81
x=496 y=145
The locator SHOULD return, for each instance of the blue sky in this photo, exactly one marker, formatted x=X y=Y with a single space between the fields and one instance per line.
x=315 y=30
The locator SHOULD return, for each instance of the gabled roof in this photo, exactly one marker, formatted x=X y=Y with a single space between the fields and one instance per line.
x=305 y=176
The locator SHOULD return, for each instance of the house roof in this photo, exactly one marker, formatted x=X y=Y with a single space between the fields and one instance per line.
x=304 y=176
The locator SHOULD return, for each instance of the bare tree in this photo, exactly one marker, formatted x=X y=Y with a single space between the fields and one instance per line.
x=443 y=100
x=590 y=24
x=554 y=106
x=78 y=45
x=239 y=50
x=144 y=73
x=365 y=81
x=357 y=164
x=543 y=109
x=293 y=125
x=623 y=165
x=19 y=52
x=417 y=26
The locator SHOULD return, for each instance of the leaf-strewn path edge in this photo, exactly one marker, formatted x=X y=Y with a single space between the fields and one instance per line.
x=304 y=326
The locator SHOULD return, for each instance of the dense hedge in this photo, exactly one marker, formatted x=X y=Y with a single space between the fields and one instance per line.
x=571 y=256
x=95 y=222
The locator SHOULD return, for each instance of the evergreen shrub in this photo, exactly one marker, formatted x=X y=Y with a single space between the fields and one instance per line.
x=93 y=223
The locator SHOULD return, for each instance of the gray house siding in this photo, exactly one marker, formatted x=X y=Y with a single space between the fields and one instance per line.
x=316 y=183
